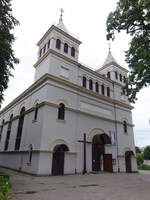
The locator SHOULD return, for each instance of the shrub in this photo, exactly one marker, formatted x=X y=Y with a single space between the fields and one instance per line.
x=139 y=158
x=146 y=153
x=144 y=167
x=5 y=192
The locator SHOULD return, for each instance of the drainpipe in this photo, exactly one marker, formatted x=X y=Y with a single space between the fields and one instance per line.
x=116 y=126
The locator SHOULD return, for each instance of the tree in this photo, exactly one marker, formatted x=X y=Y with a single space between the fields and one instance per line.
x=139 y=158
x=146 y=153
x=7 y=57
x=138 y=150
x=133 y=16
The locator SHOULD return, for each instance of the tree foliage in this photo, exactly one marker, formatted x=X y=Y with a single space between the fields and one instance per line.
x=146 y=153
x=7 y=57
x=139 y=158
x=138 y=150
x=133 y=16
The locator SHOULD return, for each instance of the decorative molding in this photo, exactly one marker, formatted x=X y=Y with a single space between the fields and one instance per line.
x=60 y=31
x=95 y=109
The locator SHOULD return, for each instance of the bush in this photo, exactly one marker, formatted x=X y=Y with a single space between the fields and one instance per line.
x=139 y=159
x=5 y=192
x=146 y=153
x=144 y=167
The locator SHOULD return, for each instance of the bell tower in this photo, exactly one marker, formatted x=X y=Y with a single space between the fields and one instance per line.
x=57 y=43
x=112 y=70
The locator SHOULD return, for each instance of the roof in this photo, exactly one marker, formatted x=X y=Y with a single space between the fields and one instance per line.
x=109 y=59
x=61 y=25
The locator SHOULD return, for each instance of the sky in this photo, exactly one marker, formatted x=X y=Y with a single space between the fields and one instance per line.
x=85 y=19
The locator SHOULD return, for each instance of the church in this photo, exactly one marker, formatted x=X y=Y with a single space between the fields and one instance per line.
x=72 y=119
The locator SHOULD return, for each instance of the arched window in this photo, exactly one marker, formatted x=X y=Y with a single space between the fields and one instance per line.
x=72 y=51
x=58 y=44
x=108 y=91
x=90 y=84
x=61 y=111
x=36 y=111
x=66 y=48
x=124 y=79
x=2 y=126
x=30 y=153
x=102 y=89
x=97 y=87
x=40 y=53
x=108 y=75
x=116 y=75
x=120 y=77
x=44 y=48
x=8 y=133
x=48 y=44
x=84 y=81
x=125 y=126
x=20 y=127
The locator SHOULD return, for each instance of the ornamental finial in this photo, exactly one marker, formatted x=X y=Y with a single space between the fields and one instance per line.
x=61 y=13
x=109 y=47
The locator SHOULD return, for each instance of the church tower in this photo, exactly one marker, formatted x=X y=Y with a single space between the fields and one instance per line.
x=112 y=70
x=57 y=44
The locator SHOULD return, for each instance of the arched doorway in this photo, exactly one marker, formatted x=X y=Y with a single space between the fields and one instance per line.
x=98 y=153
x=58 y=159
x=128 y=155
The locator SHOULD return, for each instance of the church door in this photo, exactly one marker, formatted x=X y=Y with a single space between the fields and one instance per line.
x=107 y=161
x=58 y=159
x=58 y=163
x=96 y=158
x=98 y=151
x=128 y=163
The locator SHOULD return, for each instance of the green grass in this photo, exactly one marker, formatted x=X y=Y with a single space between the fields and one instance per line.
x=144 y=167
x=5 y=187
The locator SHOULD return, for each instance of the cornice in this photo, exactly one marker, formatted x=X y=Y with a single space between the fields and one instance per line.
x=51 y=51
x=46 y=103
x=60 y=31
x=112 y=63
x=38 y=83
x=33 y=151
x=46 y=77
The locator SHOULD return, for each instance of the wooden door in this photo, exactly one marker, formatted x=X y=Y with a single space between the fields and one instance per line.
x=128 y=163
x=107 y=162
x=97 y=151
x=58 y=163
x=96 y=164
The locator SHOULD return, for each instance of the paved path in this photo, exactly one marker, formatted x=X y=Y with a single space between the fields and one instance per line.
x=103 y=186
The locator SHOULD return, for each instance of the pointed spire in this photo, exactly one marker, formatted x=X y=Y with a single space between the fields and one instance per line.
x=60 y=23
x=109 y=58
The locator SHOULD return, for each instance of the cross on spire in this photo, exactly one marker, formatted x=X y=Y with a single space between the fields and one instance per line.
x=61 y=13
x=109 y=47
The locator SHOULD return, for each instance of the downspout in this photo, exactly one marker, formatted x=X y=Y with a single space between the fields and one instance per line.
x=116 y=126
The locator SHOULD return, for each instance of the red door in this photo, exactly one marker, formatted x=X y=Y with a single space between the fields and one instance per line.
x=107 y=162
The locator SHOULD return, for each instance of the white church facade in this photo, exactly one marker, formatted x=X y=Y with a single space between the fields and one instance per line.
x=72 y=119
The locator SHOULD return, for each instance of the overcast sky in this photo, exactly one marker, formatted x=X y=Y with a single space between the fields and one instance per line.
x=85 y=19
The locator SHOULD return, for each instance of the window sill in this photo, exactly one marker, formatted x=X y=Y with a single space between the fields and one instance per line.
x=29 y=164
x=61 y=120
x=34 y=120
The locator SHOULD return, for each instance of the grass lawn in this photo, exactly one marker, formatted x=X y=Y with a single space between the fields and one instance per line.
x=5 y=187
